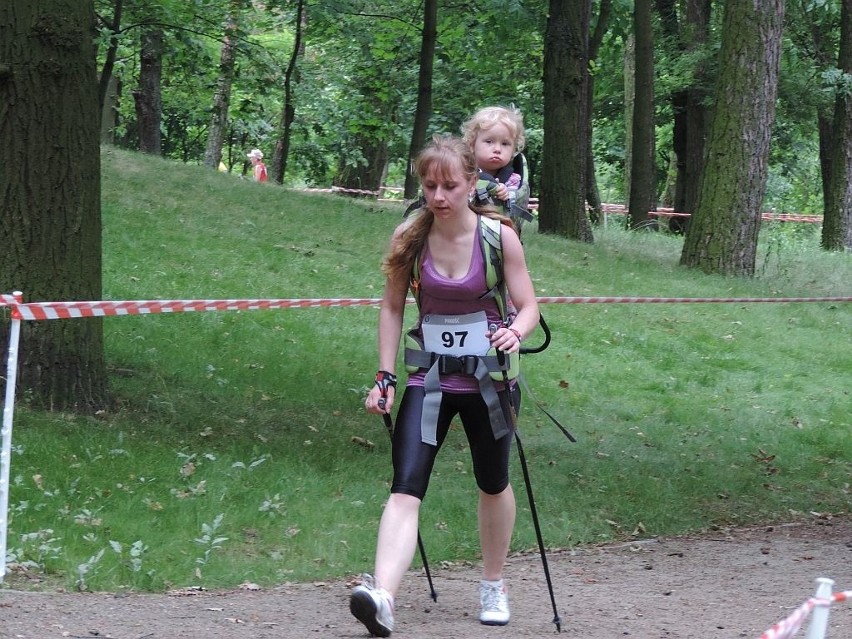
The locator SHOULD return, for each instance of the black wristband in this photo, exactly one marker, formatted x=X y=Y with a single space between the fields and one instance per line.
x=385 y=379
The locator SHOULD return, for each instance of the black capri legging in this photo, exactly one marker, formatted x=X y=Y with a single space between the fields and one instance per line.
x=413 y=460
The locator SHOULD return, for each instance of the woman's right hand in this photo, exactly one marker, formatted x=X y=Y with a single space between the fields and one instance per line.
x=377 y=404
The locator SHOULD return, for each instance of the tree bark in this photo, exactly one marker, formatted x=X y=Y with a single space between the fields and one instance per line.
x=367 y=175
x=50 y=194
x=106 y=79
x=109 y=112
x=424 y=91
x=643 y=186
x=288 y=111
x=837 y=217
x=562 y=208
x=149 y=103
x=697 y=35
x=222 y=97
x=629 y=99
x=722 y=236
x=593 y=196
x=688 y=34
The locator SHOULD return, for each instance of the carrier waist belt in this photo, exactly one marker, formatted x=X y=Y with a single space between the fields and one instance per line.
x=479 y=366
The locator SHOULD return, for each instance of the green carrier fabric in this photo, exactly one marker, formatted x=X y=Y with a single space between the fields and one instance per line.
x=486 y=368
x=517 y=206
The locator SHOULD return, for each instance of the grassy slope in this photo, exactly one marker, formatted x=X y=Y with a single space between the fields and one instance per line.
x=687 y=416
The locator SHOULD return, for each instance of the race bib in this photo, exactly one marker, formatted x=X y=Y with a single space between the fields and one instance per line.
x=456 y=334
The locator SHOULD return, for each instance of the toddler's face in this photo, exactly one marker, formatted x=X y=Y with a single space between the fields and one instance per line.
x=494 y=148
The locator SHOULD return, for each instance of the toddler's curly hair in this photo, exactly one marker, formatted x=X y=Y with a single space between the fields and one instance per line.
x=510 y=116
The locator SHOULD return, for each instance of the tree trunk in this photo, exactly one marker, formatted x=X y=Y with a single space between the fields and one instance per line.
x=593 y=196
x=106 y=79
x=837 y=220
x=50 y=194
x=222 y=97
x=366 y=176
x=288 y=112
x=722 y=236
x=149 y=104
x=687 y=102
x=424 y=91
x=562 y=207
x=629 y=99
x=109 y=112
x=673 y=192
x=643 y=187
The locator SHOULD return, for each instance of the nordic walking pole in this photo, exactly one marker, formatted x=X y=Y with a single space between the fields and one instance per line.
x=389 y=426
x=501 y=359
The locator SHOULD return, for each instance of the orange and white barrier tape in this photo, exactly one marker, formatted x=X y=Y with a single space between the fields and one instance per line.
x=788 y=627
x=69 y=310
x=616 y=209
x=684 y=300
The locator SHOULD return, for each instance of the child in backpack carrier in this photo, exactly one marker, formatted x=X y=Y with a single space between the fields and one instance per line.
x=496 y=136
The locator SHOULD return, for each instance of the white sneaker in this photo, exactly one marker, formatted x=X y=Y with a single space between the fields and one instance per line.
x=372 y=606
x=495 y=604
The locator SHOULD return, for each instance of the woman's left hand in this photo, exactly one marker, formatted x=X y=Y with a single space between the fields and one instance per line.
x=506 y=339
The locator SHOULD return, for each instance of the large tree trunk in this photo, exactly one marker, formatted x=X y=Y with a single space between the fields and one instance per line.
x=50 y=193
x=673 y=193
x=562 y=207
x=812 y=34
x=222 y=97
x=688 y=110
x=643 y=187
x=424 y=91
x=722 y=236
x=629 y=99
x=149 y=103
x=288 y=111
x=593 y=196
x=837 y=220
x=697 y=34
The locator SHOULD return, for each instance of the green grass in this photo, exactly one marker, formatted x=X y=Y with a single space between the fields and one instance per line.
x=238 y=448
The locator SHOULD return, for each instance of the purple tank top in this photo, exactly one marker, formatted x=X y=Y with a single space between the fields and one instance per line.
x=441 y=295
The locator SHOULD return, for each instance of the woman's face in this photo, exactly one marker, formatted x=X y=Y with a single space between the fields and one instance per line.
x=447 y=189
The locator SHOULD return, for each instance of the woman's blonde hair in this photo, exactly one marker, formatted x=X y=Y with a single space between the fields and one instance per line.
x=510 y=117
x=443 y=156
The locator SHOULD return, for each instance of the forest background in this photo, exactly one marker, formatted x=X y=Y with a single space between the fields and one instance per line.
x=333 y=92
x=659 y=102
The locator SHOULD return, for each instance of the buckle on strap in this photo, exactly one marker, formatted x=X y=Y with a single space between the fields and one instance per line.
x=448 y=364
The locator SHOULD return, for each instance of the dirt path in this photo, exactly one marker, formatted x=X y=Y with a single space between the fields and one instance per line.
x=725 y=585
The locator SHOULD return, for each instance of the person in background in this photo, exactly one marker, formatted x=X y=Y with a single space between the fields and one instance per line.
x=444 y=237
x=256 y=157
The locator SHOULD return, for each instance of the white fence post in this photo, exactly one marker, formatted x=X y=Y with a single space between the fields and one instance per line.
x=6 y=431
x=819 y=620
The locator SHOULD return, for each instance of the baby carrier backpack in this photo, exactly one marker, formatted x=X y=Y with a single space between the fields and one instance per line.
x=517 y=206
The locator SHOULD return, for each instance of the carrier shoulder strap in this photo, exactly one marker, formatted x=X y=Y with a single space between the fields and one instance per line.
x=492 y=250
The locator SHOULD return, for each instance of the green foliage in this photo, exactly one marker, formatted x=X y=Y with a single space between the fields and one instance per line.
x=355 y=86
x=238 y=449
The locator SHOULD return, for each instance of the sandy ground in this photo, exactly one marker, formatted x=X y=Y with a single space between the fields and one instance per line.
x=716 y=586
